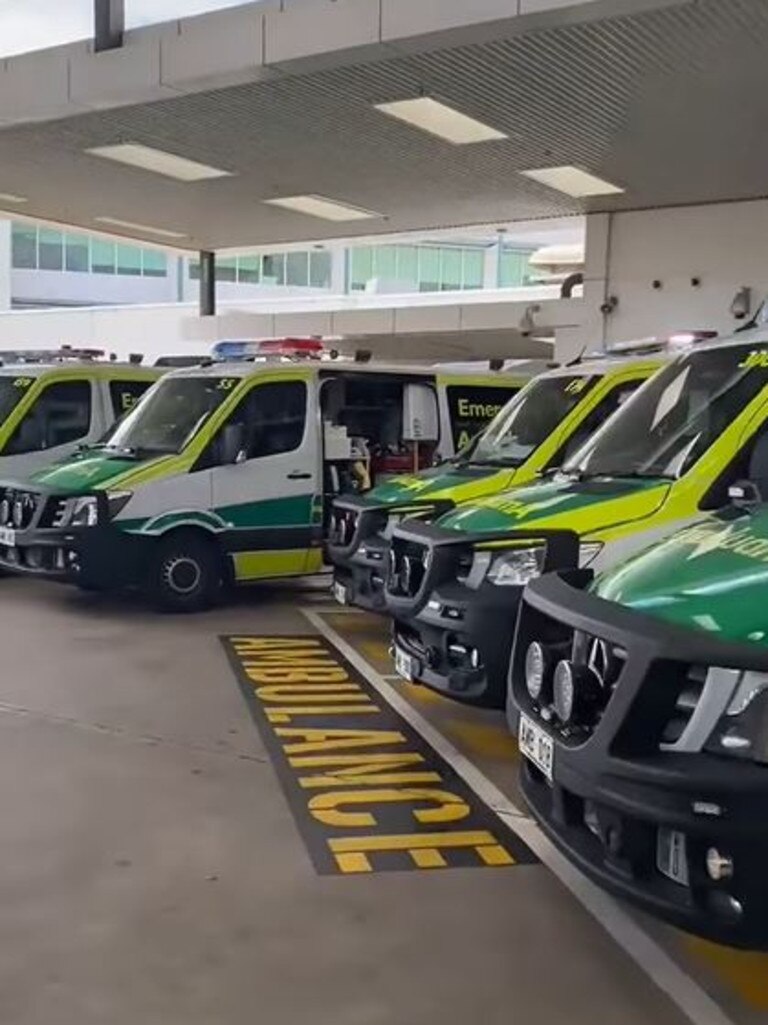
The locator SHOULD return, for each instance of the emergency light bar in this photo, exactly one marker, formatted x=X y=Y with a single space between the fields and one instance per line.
x=650 y=345
x=280 y=348
x=50 y=355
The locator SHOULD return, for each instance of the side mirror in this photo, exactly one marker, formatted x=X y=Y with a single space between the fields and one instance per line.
x=232 y=445
x=745 y=494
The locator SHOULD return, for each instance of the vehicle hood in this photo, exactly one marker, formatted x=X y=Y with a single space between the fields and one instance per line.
x=583 y=506
x=710 y=576
x=93 y=471
x=458 y=483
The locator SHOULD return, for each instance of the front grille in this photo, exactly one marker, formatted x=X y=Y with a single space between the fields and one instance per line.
x=17 y=508
x=342 y=527
x=685 y=705
x=408 y=565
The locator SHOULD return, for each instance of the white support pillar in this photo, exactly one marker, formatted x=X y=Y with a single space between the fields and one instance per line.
x=339 y=266
x=6 y=293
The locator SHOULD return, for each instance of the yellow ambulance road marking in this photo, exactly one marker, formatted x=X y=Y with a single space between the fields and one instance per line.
x=368 y=793
x=744 y=972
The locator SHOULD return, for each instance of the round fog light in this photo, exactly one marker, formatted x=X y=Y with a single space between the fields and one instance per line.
x=536 y=670
x=564 y=691
x=719 y=866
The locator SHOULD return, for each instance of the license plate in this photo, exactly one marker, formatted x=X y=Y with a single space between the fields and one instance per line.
x=536 y=745
x=340 y=593
x=7 y=537
x=405 y=666
x=672 y=855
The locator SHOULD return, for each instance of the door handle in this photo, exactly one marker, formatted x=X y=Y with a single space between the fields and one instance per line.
x=299 y=475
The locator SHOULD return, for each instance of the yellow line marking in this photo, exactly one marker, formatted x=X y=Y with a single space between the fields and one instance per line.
x=745 y=972
x=429 y=859
x=352 y=863
x=482 y=739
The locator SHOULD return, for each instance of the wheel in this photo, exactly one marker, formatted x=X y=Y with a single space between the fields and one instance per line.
x=184 y=574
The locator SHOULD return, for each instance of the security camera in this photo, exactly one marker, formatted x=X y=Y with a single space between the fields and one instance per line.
x=609 y=305
x=742 y=303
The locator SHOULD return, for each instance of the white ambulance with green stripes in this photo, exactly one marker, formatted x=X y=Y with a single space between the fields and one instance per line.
x=225 y=472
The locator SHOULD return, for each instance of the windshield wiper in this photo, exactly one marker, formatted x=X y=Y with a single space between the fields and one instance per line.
x=101 y=446
x=634 y=475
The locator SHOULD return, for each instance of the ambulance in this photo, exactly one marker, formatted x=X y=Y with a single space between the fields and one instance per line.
x=225 y=473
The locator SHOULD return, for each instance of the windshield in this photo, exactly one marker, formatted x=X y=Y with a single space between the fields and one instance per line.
x=12 y=391
x=528 y=420
x=672 y=421
x=169 y=416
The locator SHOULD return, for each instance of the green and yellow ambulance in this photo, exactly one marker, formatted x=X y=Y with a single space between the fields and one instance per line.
x=642 y=700
x=224 y=473
x=669 y=455
x=52 y=401
x=537 y=431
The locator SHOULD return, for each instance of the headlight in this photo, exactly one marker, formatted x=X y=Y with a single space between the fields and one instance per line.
x=116 y=501
x=742 y=732
x=516 y=568
x=85 y=512
x=589 y=552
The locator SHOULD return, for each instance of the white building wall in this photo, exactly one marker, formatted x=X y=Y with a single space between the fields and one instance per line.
x=672 y=269
x=6 y=291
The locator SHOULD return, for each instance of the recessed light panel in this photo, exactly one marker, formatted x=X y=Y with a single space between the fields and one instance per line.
x=327 y=209
x=441 y=120
x=573 y=181
x=158 y=161
x=147 y=229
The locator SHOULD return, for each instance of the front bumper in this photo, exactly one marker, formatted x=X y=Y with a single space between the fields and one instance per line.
x=456 y=633
x=358 y=547
x=618 y=792
x=39 y=542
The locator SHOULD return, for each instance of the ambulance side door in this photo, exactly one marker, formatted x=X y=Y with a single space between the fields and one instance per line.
x=269 y=497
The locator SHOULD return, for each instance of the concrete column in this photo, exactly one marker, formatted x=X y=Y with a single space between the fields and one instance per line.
x=492 y=267
x=593 y=330
x=339 y=266
x=6 y=268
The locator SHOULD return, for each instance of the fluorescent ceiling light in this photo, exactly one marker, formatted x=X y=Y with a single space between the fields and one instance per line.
x=8 y=197
x=440 y=120
x=157 y=160
x=146 y=228
x=573 y=181
x=327 y=209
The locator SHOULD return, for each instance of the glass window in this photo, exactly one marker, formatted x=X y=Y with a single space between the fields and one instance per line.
x=513 y=268
x=450 y=270
x=671 y=422
x=154 y=264
x=194 y=270
x=473 y=407
x=473 y=268
x=61 y=415
x=273 y=269
x=528 y=420
x=385 y=263
x=361 y=268
x=408 y=265
x=274 y=417
x=76 y=253
x=429 y=269
x=50 y=249
x=12 y=391
x=129 y=260
x=102 y=256
x=297 y=269
x=226 y=270
x=125 y=395
x=320 y=269
x=249 y=269
x=24 y=243
x=171 y=416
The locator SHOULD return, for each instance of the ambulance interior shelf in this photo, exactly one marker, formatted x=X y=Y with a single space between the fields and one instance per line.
x=374 y=428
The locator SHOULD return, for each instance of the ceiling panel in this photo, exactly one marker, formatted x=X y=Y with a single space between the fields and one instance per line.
x=670 y=103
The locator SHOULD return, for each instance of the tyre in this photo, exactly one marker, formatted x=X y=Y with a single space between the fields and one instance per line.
x=184 y=574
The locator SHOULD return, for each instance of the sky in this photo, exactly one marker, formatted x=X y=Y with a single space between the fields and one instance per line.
x=34 y=24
